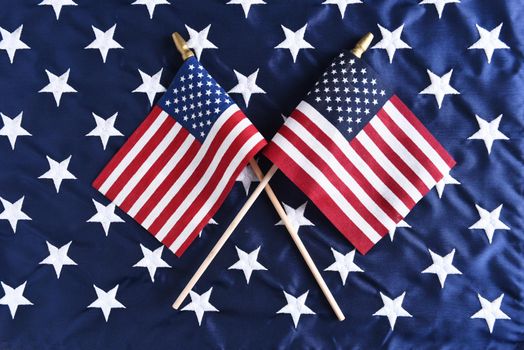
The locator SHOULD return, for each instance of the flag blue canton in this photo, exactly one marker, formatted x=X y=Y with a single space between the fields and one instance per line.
x=195 y=99
x=348 y=94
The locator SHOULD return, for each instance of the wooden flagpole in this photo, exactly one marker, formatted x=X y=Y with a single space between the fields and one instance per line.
x=181 y=45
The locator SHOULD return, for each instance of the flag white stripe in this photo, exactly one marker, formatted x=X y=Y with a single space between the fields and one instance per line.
x=147 y=164
x=162 y=175
x=182 y=179
x=352 y=156
x=204 y=210
x=417 y=138
x=130 y=156
x=388 y=167
x=402 y=152
x=203 y=181
x=341 y=173
x=324 y=183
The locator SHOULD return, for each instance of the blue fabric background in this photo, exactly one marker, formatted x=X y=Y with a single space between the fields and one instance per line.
x=59 y=318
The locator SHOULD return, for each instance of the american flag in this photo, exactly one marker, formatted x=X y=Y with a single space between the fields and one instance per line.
x=179 y=165
x=358 y=152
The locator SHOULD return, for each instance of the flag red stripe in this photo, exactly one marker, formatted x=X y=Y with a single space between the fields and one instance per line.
x=133 y=166
x=155 y=168
x=128 y=145
x=321 y=199
x=321 y=136
x=417 y=124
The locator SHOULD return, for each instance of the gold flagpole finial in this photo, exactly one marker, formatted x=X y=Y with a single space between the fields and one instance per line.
x=362 y=45
x=181 y=46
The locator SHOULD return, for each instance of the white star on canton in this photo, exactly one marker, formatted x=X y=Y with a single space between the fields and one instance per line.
x=200 y=304
x=294 y=41
x=342 y=4
x=211 y=222
x=246 y=4
x=58 y=258
x=150 y=85
x=11 y=42
x=198 y=40
x=446 y=180
x=13 y=128
x=391 y=41
x=106 y=301
x=488 y=132
x=489 y=221
x=152 y=260
x=296 y=307
x=439 y=87
x=247 y=262
x=442 y=266
x=296 y=216
x=392 y=309
x=105 y=128
x=105 y=215
x=401 y=223
x=58 y=85
x=58 y=172
x=343 y=264
x=490 y=311
x=246 y=86
x=57 y=5
x=151 y=5
x=14 y=297
x=104 y=41
x=489 y=41
x=439 y=4
x=247 y=176
x=13 y=212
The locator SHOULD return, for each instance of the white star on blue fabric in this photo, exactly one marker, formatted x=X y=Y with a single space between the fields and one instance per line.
x=294 y=41
x=151 y=5
x=13 y=128
x=343 y=264
x=14 y=297
x=488 y=132
x=58 y=85
x=58 y=172
x=105 y=215
x=152 y=260
x=439 y=87
x=247 y=262
x=198 y=40
x=489 y=221
x=296 y=307
x=342 y=4
x=57 y=5
x=58 y=258
x=150 y=85
x=489 y=41
x=13 y=212
x=11 y=42
x=246 y=4
x=439 y=4
x=391 y=41
x=442 y=266
x=246 y=177
x=490 y=311
x=392 y=231
x=200 y=304
x=106 y=301
x=392 y=309
x=296 y=216
x=446 y=180
x=246 y=86
x=104 y=41
x=105 y=128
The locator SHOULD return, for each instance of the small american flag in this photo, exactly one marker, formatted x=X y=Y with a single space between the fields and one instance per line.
x=358 y=152
x=176 y=169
